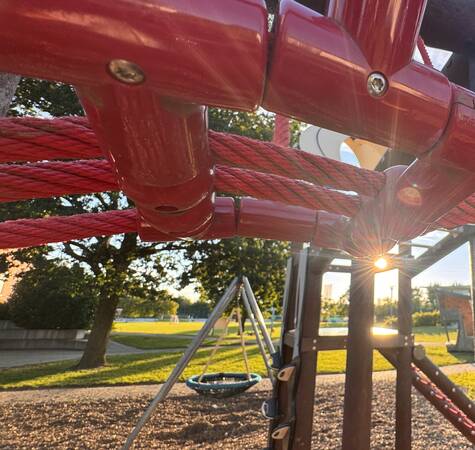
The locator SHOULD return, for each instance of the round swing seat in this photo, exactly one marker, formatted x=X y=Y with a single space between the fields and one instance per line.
x=223 y=384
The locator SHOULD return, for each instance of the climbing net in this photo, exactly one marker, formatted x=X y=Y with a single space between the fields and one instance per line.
x=145 y=91
x=48 y=158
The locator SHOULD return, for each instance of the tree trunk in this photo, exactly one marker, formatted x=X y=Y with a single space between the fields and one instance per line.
x=8 y=85
x=95 y=353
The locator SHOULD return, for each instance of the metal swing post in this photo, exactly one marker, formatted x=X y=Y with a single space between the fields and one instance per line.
x=218 y=311
x=255 y=329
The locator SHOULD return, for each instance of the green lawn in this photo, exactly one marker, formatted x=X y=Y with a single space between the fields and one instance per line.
x=434 y=334
x=466 y=380
x=157 y=327
x=154 y=368
x=130 y=334
x=151 y=342
x=158 y=342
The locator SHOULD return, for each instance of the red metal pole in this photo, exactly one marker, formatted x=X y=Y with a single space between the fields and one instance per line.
x=159 y=150
x=385 y=30
x=185 y=50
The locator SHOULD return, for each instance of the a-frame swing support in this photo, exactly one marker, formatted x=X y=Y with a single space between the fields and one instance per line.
x=238 y=286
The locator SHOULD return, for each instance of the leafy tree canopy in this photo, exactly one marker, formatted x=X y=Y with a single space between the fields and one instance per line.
x=52 y=295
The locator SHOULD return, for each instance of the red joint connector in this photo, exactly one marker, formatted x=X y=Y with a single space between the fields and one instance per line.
x=266 y=220
x=390 y=30
x=159 y=150
x=272 y=220
x=181 y=49
x=330 y=87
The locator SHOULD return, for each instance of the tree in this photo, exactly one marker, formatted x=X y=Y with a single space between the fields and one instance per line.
x=151 y=303
x=335 y=308
x=213 y=264
x=53 y=296
x=121 y=265
x=199 y=309
x=8 y=85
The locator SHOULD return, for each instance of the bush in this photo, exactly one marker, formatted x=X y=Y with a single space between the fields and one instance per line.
x=426 y=319
x=390 y=322
x=4 y=312
x=53 y=297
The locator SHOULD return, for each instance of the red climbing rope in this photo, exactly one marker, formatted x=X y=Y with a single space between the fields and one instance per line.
x=259 y=169
x=57 y=178
x=285 y=190
x=54 y=179
x=281 y=135
x=423 y=51
x=450 y=411
x=31 y=139
x=33 y=232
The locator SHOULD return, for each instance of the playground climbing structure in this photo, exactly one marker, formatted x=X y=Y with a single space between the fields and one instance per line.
x=146 y=70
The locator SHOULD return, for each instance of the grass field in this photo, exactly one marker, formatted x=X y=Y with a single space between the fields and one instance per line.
x=162 y=334
x=154 y=368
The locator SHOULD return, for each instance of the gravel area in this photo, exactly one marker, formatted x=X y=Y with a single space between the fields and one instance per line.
x=100 y=418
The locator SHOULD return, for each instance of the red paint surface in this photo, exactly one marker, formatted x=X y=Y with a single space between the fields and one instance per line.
x=207 y=53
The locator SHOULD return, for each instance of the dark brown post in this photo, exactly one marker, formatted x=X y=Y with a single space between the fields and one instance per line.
x=281 y=390
x=359 y=360
x=472 y=274
x=305 y=392
x=404 y=374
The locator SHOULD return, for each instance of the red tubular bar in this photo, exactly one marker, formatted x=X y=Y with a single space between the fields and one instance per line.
x=336 y=56
x=199 y=66
x=330 y=87
x=254 y=216
x=388 y=36
x=169 y=179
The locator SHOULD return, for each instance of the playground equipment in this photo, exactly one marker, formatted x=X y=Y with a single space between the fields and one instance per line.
x=226 y=384
x=239 y=288
x=222 y=384
x=455 y=308
x=146 y=70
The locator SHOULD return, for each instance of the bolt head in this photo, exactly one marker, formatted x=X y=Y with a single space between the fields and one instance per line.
x=126 y=71
x=377 y=84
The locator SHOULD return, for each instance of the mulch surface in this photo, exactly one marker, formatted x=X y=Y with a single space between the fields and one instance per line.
x=188 y=421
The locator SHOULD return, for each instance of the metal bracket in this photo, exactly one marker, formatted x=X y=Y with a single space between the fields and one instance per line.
x=269 y=408
x=280 y=432
x=286 y=372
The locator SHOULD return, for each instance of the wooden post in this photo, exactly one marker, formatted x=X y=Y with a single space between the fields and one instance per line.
x=472 y=277
x=281 y=390
x=404 y=374
x=359 y=359
x=305 y=386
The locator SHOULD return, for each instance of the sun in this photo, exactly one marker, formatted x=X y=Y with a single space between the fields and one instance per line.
x=381 y=263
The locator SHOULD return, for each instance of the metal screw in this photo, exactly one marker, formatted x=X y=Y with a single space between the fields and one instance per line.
x=377 y=84
x=126 y=71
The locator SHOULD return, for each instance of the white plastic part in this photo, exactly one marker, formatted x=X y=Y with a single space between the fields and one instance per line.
x=322 y=142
